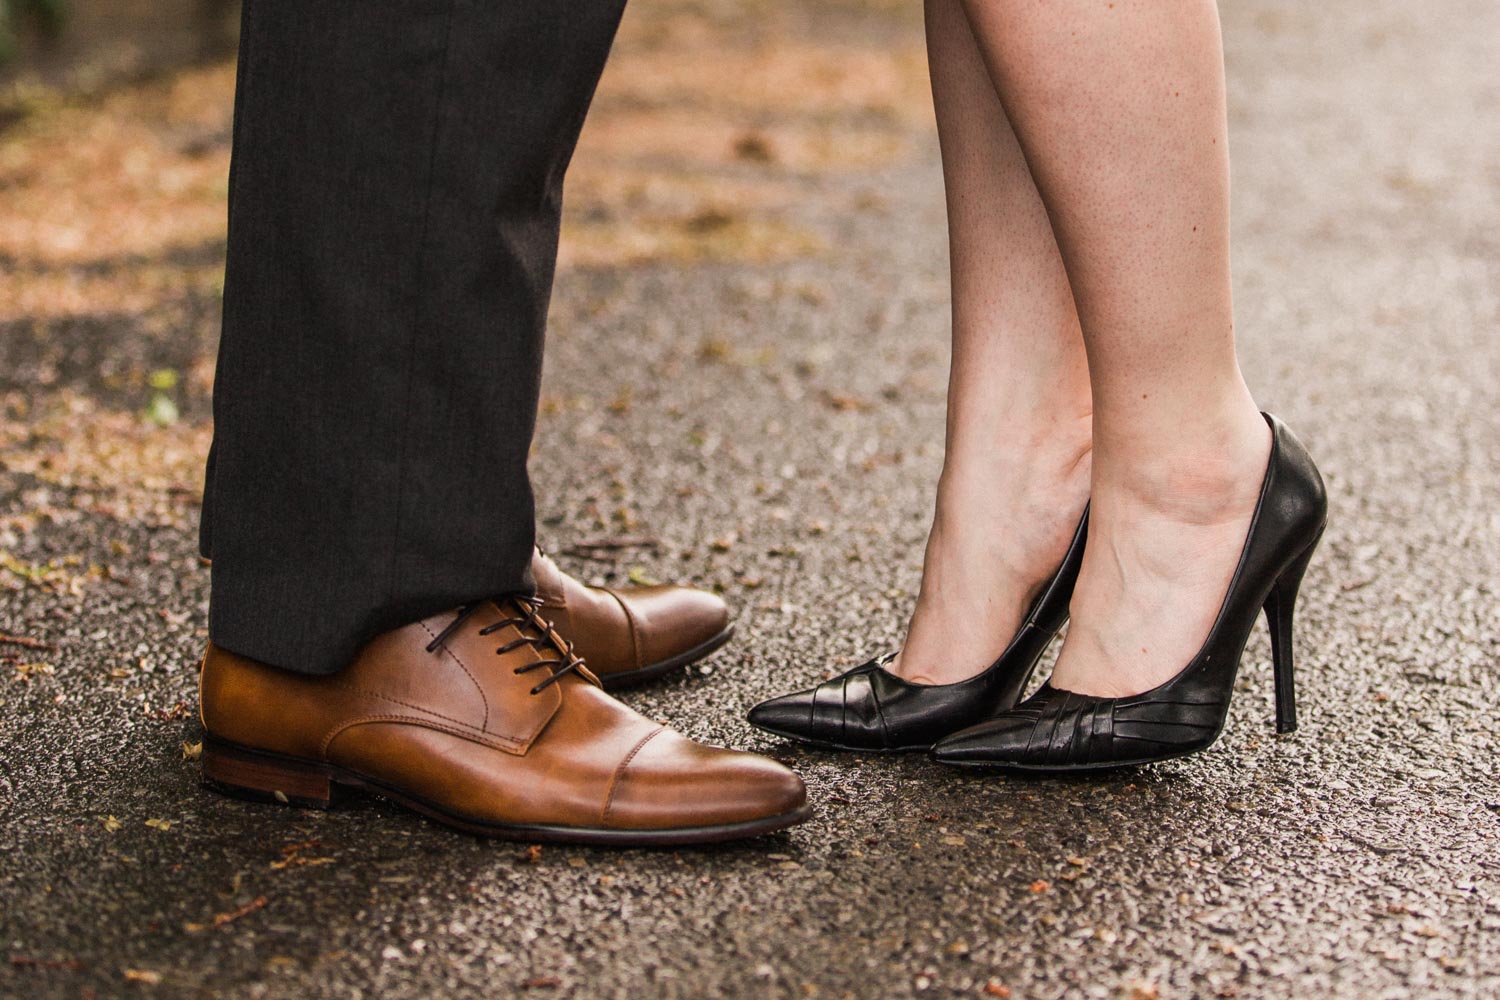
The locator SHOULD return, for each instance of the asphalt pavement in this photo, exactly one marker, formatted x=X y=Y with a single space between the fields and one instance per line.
x=771 y=424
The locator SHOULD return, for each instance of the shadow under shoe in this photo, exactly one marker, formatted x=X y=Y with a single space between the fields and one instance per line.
x=1057 y=731
x=870 y=709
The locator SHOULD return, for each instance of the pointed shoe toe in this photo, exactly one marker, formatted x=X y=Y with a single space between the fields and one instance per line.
x=998 y=742
x=843 y=713
x=789 y=715
x=871 y=710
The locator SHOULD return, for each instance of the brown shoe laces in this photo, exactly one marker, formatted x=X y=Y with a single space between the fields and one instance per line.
x=544 y=641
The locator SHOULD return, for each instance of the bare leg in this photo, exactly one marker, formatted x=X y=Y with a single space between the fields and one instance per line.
x=1119 y=108
x=1015 y=474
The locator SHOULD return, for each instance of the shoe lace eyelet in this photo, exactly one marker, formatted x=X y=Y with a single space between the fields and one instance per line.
x=534 y=632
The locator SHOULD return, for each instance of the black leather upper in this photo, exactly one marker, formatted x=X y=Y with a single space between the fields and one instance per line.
x=1061 y=730
x=870 y=708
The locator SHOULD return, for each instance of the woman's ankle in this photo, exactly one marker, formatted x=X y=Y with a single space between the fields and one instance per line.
x=1197 y=473
x=989 y=552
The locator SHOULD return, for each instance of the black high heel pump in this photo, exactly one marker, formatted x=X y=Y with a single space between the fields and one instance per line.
x=870 y=709
x=1060 y=731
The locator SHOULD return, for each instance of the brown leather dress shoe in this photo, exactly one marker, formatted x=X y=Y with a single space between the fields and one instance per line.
x=479 y=718
x=634 y=634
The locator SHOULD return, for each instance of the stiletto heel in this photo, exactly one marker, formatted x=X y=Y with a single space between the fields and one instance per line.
x=872 y=710
x=1280 y=609
x=1058 y=731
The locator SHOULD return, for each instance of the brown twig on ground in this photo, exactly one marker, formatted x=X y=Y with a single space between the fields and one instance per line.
x=618 y=542
x=21 y=640
x=228 y=918
x=591 y=555
x=27 y=962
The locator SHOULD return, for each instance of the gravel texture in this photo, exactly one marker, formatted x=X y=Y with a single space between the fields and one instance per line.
x=775 y=425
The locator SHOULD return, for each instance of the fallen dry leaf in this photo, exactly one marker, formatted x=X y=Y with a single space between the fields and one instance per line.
x=292 y=856
x=641 y=578
x=179 y=710
x=844 y=402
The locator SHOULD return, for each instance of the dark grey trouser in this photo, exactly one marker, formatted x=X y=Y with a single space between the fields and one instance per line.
x=393 y=217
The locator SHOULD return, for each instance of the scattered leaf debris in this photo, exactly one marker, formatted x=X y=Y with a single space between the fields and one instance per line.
x=24 y=641
x=295 y=856
x=61 y=964
x=542 y=983
x=641 y=578
x=614 y=543
x=26 y=671
x=223 y=919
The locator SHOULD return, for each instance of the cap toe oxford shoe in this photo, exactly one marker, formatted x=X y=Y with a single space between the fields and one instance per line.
x=481 y=718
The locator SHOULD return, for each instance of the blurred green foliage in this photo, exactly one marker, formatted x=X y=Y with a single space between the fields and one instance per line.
x=45 y=16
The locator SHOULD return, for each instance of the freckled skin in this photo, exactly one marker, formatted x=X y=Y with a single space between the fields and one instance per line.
x=1093 y=337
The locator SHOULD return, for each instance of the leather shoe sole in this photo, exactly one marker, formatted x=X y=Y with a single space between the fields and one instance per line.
x=268 y=777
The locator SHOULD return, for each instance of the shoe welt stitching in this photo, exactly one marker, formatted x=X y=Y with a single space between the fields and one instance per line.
x=474 y=680
x=495 y=742
x=369 y=692
x=614 y=779
x=635 y=639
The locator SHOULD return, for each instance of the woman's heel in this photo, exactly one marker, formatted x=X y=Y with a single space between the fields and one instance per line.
x=1280 y=607
x=1056 y=731
x=266 y=777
